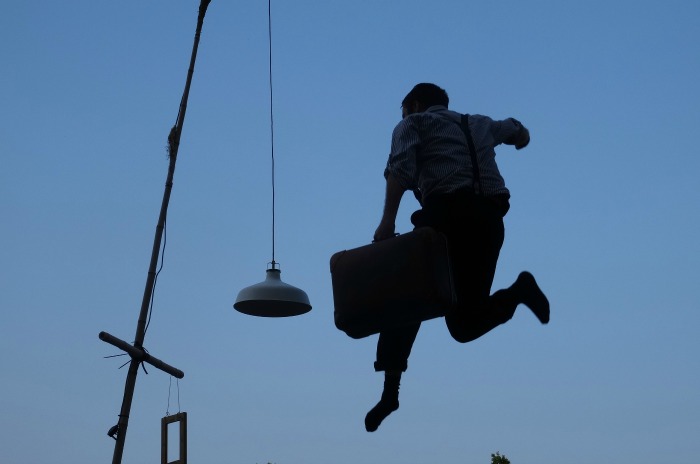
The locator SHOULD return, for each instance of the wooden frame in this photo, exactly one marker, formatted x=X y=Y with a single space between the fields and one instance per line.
x=180 y=417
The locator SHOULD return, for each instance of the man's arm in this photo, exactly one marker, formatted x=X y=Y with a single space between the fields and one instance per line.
x=392 y=200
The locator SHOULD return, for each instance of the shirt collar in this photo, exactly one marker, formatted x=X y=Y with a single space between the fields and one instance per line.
x=436 y=109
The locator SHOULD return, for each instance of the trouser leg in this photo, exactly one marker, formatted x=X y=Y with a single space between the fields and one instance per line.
x=475 y=247
x=394 y=348
x=466 y=325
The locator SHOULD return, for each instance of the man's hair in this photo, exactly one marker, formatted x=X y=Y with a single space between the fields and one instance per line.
x=427 y=95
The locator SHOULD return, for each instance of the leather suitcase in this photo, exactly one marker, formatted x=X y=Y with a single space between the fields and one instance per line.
x=405 y=279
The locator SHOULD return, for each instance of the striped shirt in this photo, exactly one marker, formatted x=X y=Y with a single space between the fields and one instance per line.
x=429 y=152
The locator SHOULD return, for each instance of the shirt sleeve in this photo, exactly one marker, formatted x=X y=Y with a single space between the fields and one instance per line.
x=508 y=131
x=402 y=163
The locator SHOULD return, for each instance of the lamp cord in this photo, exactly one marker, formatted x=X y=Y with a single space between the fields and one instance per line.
x=272 y=126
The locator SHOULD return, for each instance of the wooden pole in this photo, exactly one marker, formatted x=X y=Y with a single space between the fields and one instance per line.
x=136 y=351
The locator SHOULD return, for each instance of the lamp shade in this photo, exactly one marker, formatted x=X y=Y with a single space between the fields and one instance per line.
x=272 y=298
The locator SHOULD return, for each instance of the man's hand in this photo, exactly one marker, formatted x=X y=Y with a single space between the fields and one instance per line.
x=384 y=231
x=524 y=139
x=521 y=138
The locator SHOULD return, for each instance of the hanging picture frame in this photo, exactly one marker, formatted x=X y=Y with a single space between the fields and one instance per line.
x=181 y=419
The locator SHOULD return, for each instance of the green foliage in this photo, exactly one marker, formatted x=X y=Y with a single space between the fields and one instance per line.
x=497 y=458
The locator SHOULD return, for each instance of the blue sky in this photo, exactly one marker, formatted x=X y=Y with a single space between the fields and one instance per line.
x=604 y=212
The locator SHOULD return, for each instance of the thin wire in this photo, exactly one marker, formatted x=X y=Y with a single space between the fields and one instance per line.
x=178 y=395
x=272 y=127
x=160 y=268
x=170 y=384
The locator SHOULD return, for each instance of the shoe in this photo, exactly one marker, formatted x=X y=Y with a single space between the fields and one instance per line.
x=530 y=294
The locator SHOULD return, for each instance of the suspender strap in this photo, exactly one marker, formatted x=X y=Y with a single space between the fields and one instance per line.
x=472 y=153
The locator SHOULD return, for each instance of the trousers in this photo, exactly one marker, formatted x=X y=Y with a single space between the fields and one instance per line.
x=475 y=232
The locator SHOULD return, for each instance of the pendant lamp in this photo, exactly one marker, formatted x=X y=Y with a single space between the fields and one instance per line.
x=272 y=297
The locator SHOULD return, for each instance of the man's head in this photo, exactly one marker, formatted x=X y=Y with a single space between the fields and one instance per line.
x=422 y=97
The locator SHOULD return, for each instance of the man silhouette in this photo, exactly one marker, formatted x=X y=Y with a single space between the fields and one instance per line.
x=430 y=156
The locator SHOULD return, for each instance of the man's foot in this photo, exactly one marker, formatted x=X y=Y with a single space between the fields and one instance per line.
x=529 y=293
x=387 y=404
x=380 y=412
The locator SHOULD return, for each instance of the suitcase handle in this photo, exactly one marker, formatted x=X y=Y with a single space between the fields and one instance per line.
x=338 y=256
x=395 y=235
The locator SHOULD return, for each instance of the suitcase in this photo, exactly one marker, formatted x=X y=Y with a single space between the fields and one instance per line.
x=402 y=280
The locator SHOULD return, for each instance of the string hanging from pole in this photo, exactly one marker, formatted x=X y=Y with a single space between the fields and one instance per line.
x=170 y=384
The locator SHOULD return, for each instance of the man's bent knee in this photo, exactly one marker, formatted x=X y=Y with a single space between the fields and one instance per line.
x=461 y=333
